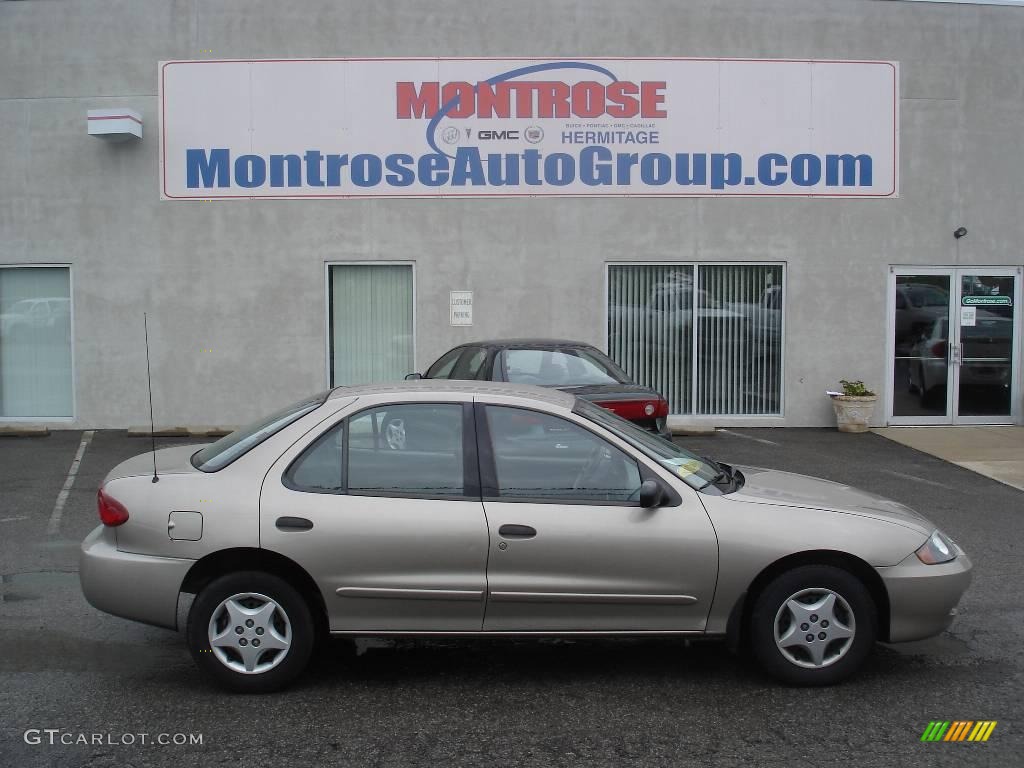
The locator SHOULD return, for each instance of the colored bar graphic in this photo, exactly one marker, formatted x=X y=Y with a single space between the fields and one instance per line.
x=935 y=730
x=958 y=730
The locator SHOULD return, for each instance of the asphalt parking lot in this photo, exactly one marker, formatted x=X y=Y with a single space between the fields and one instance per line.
x=64 y=665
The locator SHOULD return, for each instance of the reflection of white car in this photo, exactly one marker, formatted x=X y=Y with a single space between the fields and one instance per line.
x=35 y=313
x=985 y=352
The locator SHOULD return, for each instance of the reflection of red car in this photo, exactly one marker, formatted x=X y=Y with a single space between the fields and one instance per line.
x=984 y=352
x=577 y=368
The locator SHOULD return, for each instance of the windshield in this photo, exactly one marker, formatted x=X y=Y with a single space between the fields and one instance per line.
x=695 y=471
x=568 y=367
x=221 y=453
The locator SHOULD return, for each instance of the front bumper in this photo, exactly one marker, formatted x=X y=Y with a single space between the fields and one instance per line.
x=923 y=598
x=137 y=587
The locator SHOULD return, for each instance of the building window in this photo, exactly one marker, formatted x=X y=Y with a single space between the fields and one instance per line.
x=707 y=336
x=370 y=321
x=35 y=342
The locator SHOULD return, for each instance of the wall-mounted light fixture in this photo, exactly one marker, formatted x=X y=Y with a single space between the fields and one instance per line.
x=119 y=124
x=959 y=232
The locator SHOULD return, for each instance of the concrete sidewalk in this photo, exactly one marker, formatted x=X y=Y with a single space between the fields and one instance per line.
x=996 y=452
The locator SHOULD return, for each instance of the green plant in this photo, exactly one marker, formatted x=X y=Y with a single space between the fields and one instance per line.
x=855 y=389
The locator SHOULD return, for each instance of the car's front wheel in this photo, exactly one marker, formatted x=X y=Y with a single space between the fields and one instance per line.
x=813 y=625
x=250 y=631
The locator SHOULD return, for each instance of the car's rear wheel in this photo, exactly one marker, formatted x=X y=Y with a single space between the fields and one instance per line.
x=250 y=631
x=813 y=625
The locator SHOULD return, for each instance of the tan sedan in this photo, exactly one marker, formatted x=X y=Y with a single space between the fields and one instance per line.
x=474 y=509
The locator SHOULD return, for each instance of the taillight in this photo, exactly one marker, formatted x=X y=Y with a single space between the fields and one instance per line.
x=112 y=512
x=939 y=349
x=635 y=410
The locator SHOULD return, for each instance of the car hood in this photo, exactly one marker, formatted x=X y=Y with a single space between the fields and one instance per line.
x=169 y=461
x=599 y=392
x=788 y=489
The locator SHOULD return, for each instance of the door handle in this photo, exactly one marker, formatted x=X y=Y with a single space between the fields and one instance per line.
x=510 y=531
x=293 y=524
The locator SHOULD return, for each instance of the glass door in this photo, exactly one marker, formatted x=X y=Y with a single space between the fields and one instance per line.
x=921 y=371
x=984 y=349
x=954 y=341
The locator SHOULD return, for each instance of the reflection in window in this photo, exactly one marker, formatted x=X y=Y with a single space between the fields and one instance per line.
x=406 y=449
x=318 y=469
x=708 y=337
x=35 y=342
x=541 y=456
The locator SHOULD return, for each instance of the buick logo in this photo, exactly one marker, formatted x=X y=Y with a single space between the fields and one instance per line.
x=450 y=135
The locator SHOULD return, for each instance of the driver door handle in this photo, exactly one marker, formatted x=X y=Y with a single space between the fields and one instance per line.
x=510 y=531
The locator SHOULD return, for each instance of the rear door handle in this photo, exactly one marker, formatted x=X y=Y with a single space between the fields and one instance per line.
x=293 y=524
x=510 y=531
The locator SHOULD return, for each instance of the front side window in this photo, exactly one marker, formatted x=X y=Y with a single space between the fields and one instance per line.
x=539 y=456
x=35 y=342
x=413 y=449
x=442 y=369
x=559 y=367
x=695 y=471
x=470 y=363
x=221 y=453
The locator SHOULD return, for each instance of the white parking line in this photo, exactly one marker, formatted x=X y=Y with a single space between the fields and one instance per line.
x=13 y=519
x=748 y=437
x=62 y=497
x=916 y=479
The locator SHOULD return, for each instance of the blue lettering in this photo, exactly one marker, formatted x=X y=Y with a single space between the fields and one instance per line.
x=400 y=176
x=725 y=169
x=593 y=173
x=805 y=170
x=250 y=171
x=433 y=170
x=559 y=169
x=655 y=168
x=766 y=172
x=691 y=170
x=212 y=168
x=850 y=165
x=366 y=170
x=468 y=166
x=277 y=170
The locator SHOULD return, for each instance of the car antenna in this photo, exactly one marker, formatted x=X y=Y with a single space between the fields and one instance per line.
x=149 y=382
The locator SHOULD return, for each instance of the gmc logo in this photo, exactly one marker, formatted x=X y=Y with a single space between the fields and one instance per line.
x=497 y=135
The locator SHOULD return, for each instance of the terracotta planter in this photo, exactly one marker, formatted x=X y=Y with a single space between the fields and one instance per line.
x=853 y=414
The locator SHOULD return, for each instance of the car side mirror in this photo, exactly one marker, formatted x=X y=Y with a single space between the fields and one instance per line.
x=413 y=376
x=651 y=494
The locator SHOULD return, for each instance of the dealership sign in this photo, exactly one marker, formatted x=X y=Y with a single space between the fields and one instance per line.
x=509 y=127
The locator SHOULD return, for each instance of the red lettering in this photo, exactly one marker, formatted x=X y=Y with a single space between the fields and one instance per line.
x=493 y=100
x=553 y=100
x=588 y=99
x=424 y=104
x=622 y=98
x=465 y=106
x=650 y=98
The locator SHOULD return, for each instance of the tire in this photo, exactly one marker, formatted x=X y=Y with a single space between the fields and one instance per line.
x=284 y=627
x=851 y=610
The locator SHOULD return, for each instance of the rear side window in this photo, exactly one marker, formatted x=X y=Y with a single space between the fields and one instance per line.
x=406 y=449
x=319 y=468
x=221 y=453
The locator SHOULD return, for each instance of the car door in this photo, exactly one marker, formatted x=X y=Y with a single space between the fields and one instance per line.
x=571 y=549
x=383 y=510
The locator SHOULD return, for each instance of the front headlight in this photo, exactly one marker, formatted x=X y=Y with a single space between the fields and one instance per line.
x=938 y=549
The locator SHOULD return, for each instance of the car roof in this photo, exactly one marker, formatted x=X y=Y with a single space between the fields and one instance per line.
x=546 y=395
x=525 y=342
